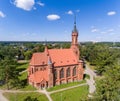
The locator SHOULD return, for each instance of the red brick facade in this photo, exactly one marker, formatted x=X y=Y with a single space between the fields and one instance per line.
x=56 y=66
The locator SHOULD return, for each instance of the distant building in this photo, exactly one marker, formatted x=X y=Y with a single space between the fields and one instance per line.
x=56 y=66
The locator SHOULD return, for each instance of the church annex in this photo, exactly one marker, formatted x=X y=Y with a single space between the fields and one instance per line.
x=56 y=66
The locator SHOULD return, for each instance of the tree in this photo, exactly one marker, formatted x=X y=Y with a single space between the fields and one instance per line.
x=108 y=88
x=9 y=73
x=28 y=54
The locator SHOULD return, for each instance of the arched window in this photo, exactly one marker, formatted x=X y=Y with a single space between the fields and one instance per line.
x=68 y=72
x=55 y=74
x=62 y=73
x=74 y=71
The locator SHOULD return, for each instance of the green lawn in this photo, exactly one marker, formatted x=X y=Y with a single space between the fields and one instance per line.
x=91 y=66
x=65 y=85
x=23 y=76
x=22 y=66
x=22 y=96
x=75 y=94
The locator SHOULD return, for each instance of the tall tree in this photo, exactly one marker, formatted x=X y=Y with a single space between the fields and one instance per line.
x=9 y=73
x=108 y=88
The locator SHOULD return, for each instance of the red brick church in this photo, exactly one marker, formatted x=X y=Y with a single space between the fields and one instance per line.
x=56 y=66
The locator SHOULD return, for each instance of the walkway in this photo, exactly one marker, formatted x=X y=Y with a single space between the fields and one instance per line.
x=2 y=98
x=46 y=93
x=91 y=81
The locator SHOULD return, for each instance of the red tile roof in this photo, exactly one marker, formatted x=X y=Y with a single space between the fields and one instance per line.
x=39 y=59
x=39 y=76
x=60 y=57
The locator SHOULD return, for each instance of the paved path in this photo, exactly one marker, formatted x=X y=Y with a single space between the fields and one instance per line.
x=2 y=98
x=46 y=93
x=91 y=81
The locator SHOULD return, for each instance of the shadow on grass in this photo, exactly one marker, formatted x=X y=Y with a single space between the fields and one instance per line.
x=20 y=64
x=21 y=69
x=24 y=83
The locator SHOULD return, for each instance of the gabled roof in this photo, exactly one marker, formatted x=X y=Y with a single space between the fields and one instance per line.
x=39 y=59
x=59 y=57
x=39 y=76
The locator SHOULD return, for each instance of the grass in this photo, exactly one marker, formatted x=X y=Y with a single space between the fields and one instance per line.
x=91 y=66
x=28 y=88
x=87 y=76
x=22 y=96
x=74 y=94
x=3 y=87
x=23 y=76
x=22 y=66
x=65 y=85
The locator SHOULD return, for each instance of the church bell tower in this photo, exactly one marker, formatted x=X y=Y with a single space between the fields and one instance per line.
x=74 y=44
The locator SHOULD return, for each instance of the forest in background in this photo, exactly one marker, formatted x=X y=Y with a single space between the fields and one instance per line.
x=104 y=56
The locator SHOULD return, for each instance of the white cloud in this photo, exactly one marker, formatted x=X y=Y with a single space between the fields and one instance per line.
x=2 y=14
x=111 y=13
x=24 y=4
x=53 y=17
x=70 y=12
x=41 y=4
x=77 y=10
x=94 y=30
x=103 y=32
x=110 y=30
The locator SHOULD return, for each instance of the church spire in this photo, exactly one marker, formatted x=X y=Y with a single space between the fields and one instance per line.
x=75 y=29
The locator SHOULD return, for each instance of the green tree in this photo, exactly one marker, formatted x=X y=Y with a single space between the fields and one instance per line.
x=9 y=73
x=108 y=88
x=28 y=54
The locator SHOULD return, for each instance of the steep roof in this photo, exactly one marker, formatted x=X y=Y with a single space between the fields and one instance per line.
x=39 y=76
x=59 y=57
x=39 y=59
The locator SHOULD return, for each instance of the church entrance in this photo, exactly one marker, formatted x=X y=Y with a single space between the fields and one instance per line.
x=44 y=85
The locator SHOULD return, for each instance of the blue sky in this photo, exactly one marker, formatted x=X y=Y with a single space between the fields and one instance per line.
x=53 y=20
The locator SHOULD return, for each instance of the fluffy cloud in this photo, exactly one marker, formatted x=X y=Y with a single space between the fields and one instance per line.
x=53 y=17
x=94 y=30
x=70 y=12
x=41 y=4
x=111 y=13
x=24 y=4
x=2 y=14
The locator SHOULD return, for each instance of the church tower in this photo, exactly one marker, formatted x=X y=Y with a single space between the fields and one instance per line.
x=74 y=44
